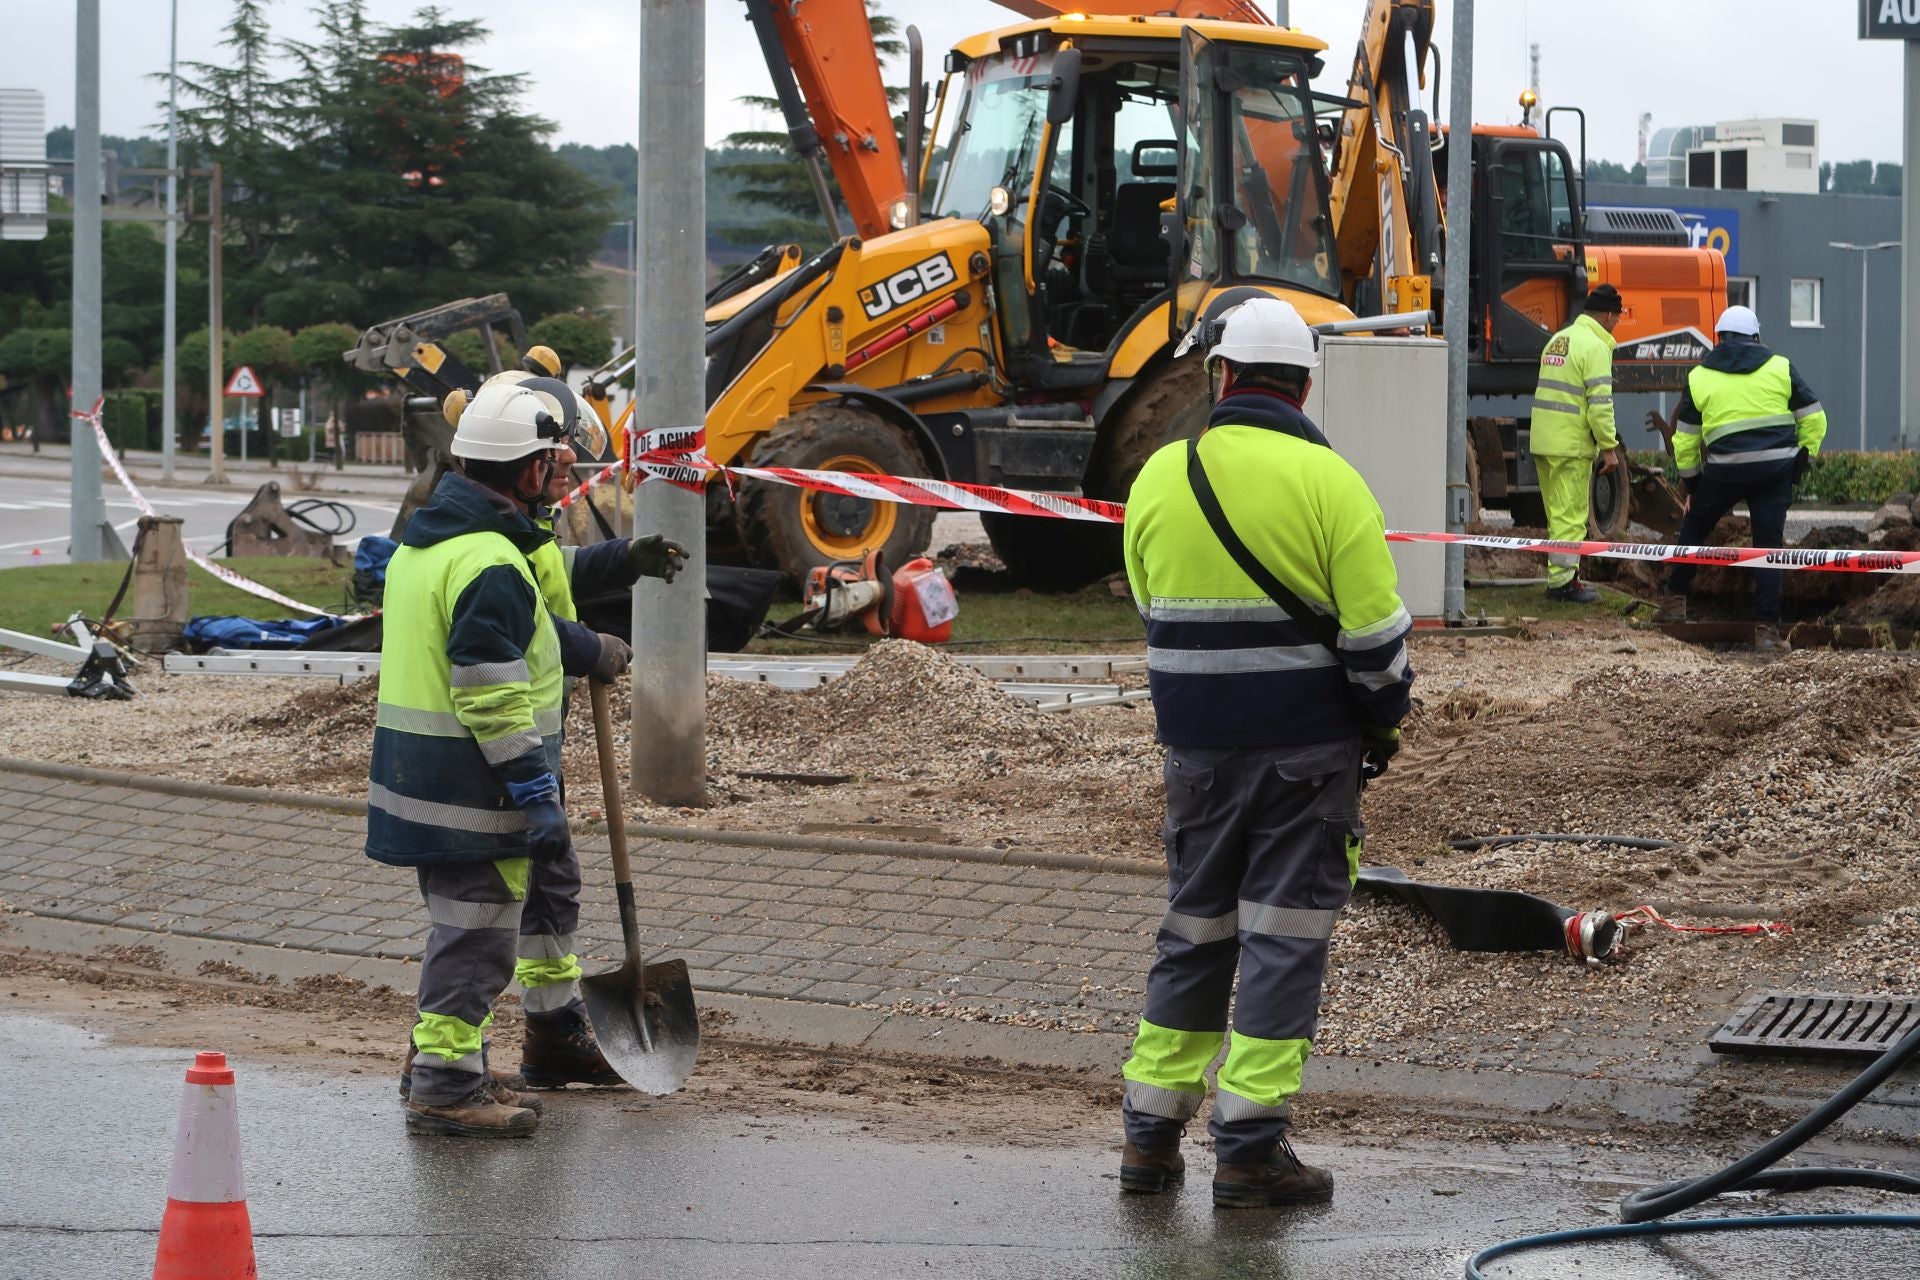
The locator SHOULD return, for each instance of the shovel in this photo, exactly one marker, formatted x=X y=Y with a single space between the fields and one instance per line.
x=642 y=1014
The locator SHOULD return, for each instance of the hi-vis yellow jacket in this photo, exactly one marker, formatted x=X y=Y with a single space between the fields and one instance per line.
x=1573 y=401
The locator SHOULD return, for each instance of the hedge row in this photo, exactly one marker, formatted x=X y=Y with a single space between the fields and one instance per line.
x=1840 y=476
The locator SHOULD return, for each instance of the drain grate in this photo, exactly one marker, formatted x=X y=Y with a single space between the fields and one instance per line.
x=1816 y=1024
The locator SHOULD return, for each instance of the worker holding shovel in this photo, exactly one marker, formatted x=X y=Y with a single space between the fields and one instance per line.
x=559 y=1049
x=464 y=784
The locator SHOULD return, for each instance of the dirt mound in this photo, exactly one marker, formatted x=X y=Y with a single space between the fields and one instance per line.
x=903 y=711
x=1897 y=605
x=1780 y=784
x=334 y=709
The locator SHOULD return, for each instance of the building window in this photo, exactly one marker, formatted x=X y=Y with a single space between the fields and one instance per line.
x=1799 y=159
x=1803 y=303
x=1798 y=135
x=1741 y=291
x=1733 y=170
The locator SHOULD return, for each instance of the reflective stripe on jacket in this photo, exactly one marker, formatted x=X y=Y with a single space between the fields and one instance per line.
x=1226 y=665
x=470 y=684
x=1744 y=408
x=1573 y=400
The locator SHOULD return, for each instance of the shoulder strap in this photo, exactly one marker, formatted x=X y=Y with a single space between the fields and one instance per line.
x=1316 y=624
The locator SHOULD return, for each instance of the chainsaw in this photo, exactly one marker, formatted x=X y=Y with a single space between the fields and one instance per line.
x=915 y=602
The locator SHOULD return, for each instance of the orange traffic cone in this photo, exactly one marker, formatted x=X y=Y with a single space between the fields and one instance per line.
x=206 y=1234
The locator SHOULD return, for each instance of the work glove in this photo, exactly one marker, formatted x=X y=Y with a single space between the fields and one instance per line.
x=1380 y=746
x=1802 y=463
x=539 y=799
x=654 y=557
x=616 y=655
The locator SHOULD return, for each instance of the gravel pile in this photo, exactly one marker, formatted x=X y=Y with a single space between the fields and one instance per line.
x=904 y=711
x=1780 y=782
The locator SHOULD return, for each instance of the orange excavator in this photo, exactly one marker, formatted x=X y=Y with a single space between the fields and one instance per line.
x=1006 y=308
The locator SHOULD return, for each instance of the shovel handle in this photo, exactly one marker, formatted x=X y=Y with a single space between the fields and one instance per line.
x=610 y=783
x=617 y=833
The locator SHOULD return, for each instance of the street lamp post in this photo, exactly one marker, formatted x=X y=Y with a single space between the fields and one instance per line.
x=1863 y=250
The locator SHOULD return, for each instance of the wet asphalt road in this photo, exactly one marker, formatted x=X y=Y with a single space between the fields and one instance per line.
x=619 y=1186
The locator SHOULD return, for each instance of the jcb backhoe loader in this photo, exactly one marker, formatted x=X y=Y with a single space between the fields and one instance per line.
x=1104 y=180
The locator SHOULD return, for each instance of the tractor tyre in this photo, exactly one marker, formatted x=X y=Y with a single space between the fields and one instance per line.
x=1610 y=504
x=1168 y=404
x=797 y=530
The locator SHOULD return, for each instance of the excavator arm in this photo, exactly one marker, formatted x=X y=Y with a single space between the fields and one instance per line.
x=826 y=77
x=1385 y=198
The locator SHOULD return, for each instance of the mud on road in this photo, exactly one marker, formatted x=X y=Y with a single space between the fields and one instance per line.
x=340 y=1026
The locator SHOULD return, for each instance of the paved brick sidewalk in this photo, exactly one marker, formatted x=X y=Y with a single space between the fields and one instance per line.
x=1045 y=945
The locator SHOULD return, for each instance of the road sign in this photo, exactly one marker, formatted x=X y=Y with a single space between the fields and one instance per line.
x=23 y=164
x=1890 y=19
x=243 y=383
x=287 y=421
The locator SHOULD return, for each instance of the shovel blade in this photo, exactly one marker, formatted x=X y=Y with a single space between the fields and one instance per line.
x=645 y=1021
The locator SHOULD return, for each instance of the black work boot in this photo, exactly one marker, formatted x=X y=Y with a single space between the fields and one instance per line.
x=506 y=1081
x=1574 y=592
x=1151 y=1170
x=481 y=1114
x=563 y=1052
x=1284 y=1179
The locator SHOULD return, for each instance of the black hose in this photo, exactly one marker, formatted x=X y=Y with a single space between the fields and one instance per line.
x=343 y=520
x=1641 y=1210
x=1556 y=837
x=1746 y=1173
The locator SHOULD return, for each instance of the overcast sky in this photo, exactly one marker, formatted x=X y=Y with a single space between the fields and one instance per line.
x=1687 y=63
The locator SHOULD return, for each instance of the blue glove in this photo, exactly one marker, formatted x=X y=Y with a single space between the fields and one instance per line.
x=547 y=834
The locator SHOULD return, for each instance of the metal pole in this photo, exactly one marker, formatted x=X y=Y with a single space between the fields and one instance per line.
x=216 y=355
x=169 y=406
x=1453 y=599
x=1864 y=255
x=1910 y=256
x=670 y=621
x=87 y=509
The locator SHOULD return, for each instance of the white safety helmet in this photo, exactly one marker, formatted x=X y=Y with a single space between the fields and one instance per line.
x=1264 y=331
x=512 y=415
x=1738 y=320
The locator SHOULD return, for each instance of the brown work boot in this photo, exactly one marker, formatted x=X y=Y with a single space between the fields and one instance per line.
x=507 y=1081
x=481 y=1114
x=1767 y=639
x=554 y=1060
x=1672 y=608
x=1285 y=1179
x=1151 y=1170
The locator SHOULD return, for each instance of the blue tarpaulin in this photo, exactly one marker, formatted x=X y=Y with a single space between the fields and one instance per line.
x=228 y=632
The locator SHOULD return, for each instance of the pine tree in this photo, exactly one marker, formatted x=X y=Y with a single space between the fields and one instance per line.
x=235 y=113
x=422 y=181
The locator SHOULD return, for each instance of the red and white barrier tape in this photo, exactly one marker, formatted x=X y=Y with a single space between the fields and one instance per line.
x=1724 y=557
x=690 y=468
x=220 y=571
